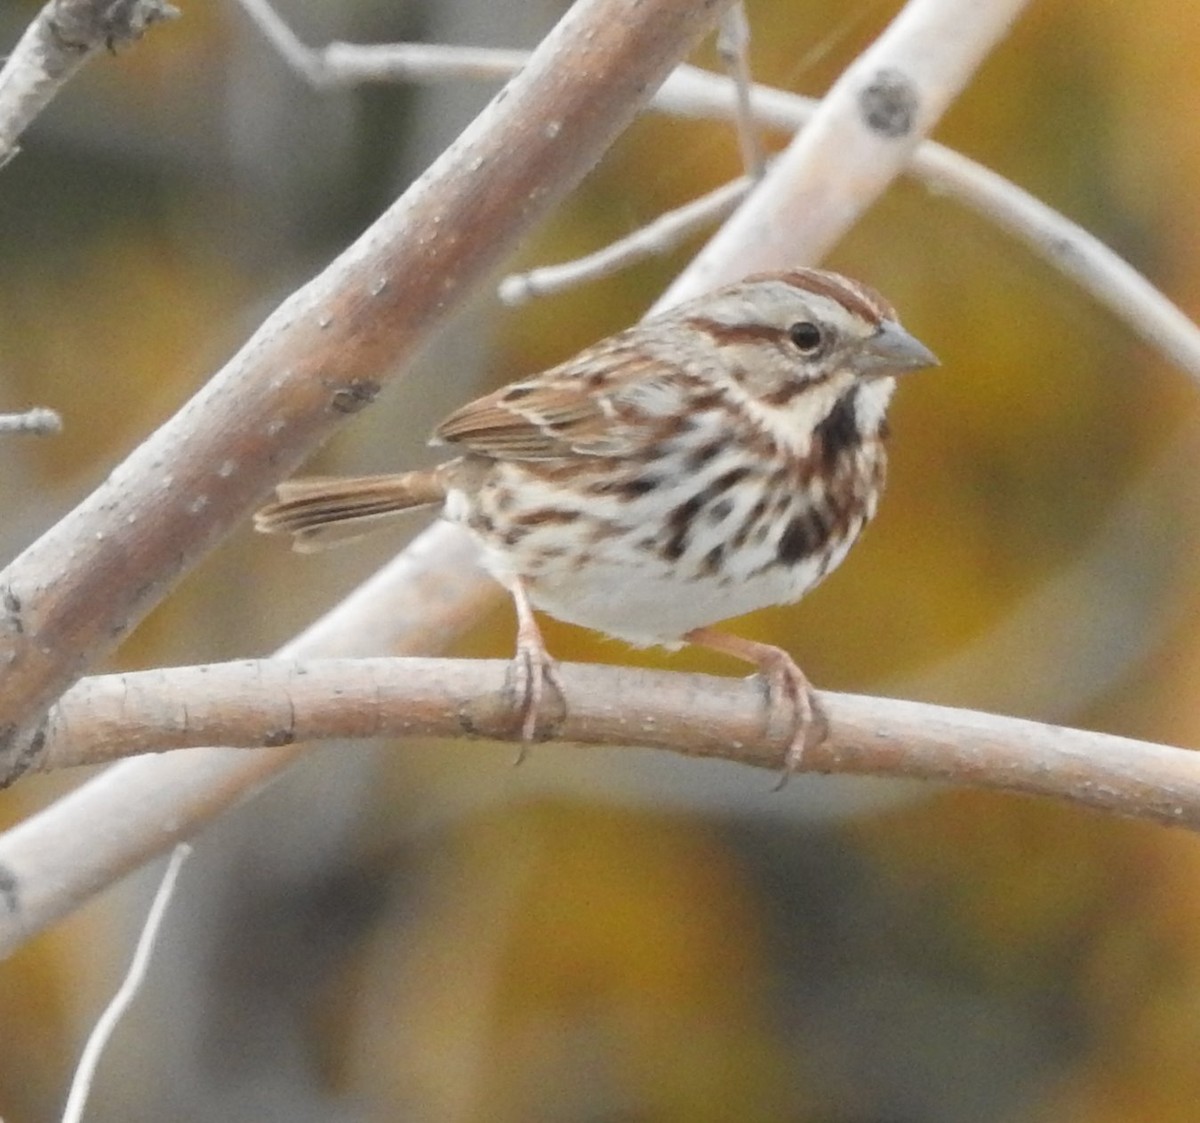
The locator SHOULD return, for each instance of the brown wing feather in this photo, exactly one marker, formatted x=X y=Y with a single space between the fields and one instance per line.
x=564 y=412
x=541 y=423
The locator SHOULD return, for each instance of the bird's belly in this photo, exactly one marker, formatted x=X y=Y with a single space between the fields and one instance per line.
x=650 y=568
x=647 y=608
x=644 y=599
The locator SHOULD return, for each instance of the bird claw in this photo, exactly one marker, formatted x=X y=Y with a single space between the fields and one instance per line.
x=530 y=671
x=785 y=684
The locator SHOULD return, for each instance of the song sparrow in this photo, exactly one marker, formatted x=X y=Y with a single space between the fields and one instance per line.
x=712 y=460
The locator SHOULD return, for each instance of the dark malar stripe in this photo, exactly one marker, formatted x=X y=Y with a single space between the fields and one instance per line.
x=838 y=433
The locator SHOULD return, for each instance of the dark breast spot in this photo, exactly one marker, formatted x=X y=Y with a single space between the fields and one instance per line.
x=702 y=402
x=680 y=521
x=720 y=511
x=752 y=518
x=625 y=488
x=711 y=564
x=701 y=455
x=639 y=485
x=803 y=537
x=725 y=481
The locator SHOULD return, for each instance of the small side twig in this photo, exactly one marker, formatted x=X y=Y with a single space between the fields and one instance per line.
x=657 y=237
x=350 y=64
x=39 y=421
x=85 y=1072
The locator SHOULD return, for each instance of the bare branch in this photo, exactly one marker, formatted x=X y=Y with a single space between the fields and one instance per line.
x=350 y=64
x=55 y=860
x=62 y=37
x=276 y=702
x=859 y=139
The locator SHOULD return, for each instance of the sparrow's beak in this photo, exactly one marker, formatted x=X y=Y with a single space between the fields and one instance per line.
x=891 y=350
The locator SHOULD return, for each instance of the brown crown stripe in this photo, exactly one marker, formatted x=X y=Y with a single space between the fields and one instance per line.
x=860 y=299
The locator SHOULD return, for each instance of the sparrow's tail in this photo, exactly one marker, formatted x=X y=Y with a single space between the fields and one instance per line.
x=324 y=511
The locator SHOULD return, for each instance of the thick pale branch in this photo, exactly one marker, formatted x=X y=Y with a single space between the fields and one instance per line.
x=56 y=859
x=61 y=38
x=276 y=702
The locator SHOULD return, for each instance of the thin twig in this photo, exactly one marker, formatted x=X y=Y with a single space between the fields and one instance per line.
x=85 y=1072
x=733 y=46
x=351 y=64
x=658 y=237
x=39 y=421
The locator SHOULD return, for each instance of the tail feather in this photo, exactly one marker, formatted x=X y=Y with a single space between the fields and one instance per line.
x=324 y=511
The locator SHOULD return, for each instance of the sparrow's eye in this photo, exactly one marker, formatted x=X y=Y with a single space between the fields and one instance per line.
x=806 y=336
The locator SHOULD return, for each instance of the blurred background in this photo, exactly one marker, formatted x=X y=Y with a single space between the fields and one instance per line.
x=423 y=932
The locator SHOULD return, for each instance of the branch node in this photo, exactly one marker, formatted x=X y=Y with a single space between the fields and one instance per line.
x=357 y=394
